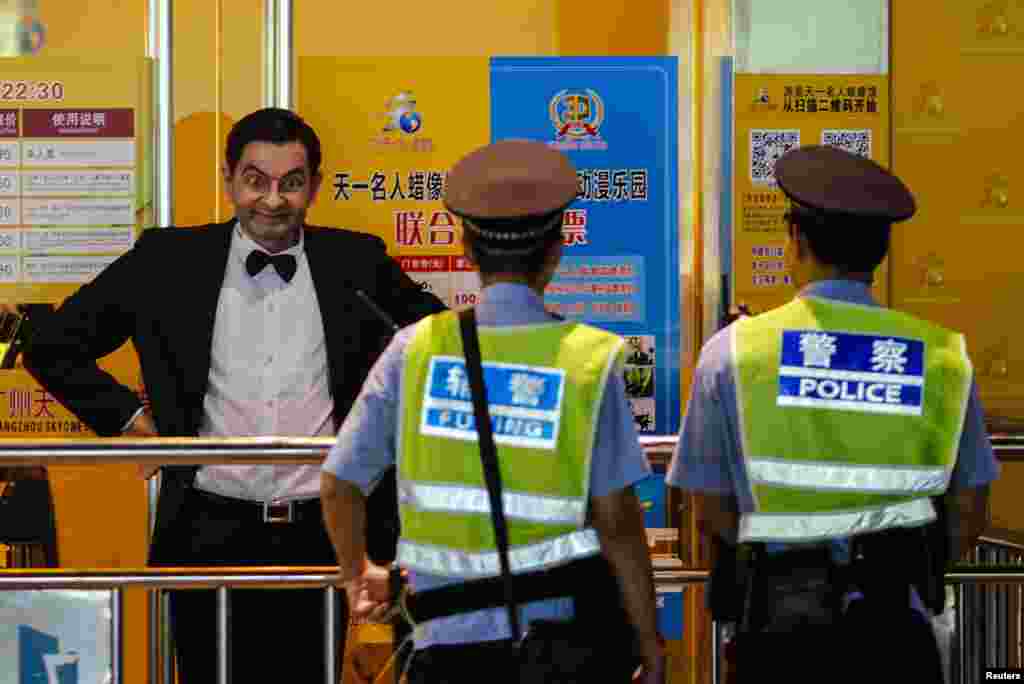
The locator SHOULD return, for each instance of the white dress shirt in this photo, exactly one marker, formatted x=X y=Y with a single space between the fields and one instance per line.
x=268 y=375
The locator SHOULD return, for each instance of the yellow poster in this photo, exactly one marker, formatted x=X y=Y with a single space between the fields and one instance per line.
x=75 y=190
x=773 y=114
x=390 y=130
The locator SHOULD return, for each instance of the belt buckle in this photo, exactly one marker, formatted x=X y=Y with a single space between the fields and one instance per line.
x=278 y=512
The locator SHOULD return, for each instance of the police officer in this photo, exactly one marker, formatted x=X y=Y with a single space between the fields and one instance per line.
x=836 y=449
x=568 y=476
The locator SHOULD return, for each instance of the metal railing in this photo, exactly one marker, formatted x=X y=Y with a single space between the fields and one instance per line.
x=321 y=577
x=986 y=615
x=221 y=579
x=201 y=451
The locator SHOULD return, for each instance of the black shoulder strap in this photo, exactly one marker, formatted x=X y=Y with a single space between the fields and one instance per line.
x=489 y=456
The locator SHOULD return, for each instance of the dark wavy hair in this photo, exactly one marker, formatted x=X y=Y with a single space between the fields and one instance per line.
x=272 y=125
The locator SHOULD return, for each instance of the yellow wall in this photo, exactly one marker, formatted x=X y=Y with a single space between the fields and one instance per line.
x=450 y=28
x=614 y=27
x=115 y=28
x=218 y=78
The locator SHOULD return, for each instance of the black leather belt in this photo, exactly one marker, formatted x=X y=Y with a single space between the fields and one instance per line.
x=304 y=511
x=492 y=592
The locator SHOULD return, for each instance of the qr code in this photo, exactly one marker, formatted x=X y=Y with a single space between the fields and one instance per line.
x=854 y=141
x=766 y=146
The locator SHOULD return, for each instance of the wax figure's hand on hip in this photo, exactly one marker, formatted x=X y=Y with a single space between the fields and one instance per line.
x=143 y=426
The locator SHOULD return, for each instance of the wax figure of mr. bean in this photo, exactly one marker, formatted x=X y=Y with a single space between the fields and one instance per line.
x=248 y=327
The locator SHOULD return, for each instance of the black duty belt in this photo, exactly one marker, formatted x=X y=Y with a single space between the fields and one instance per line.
x=480 y=594
x=227 y=507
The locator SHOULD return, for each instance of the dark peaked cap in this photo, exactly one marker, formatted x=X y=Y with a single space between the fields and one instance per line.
x=835 y=182
x=510 y=179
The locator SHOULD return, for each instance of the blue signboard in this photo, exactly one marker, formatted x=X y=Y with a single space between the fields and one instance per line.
x=617 y=119
x=55 y=636
x=670 y=612
x=651 y=493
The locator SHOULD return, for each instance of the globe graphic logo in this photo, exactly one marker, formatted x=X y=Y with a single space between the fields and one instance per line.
x=410 y=122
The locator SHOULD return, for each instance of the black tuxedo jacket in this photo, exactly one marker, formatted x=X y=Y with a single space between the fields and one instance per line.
x=162 y=295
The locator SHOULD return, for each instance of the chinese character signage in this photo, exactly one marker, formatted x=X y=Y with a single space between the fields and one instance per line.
x=75 y=190
x=389 y=137
x=775 y=113
x=851 y=372
x=525 y=403
x=395 y=128
x=617 y=120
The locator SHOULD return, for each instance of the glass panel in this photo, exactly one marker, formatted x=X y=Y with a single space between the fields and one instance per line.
x=812 y=36
x=55 y=636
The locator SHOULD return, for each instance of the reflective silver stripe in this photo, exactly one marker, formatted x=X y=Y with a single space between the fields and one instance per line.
x=447 y=562
x=459 y=499
x=861 y=406
x=850 y=478
x=855 y=376
x=791 y=527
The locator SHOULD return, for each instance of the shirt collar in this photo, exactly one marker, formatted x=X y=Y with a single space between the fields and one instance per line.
x=850 y=291
x=506 y=301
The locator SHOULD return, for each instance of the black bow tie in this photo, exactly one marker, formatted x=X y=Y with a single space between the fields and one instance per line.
x=284 y=264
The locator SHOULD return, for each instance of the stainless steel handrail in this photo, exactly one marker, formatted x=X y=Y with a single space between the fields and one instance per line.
x=188 y=451
x=202 y=450
x=221 y=579
x=194 y=450
x=317 y=577
x=197 y=451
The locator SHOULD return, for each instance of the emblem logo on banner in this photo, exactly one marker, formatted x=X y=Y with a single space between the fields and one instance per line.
x=402 y=123
x=763 y=101
x=401 y=114
x=577 y=116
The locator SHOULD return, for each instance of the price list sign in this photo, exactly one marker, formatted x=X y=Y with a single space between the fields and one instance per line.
x=452 y=279
x=75 y=189
x=67 y=184
x=72 y=169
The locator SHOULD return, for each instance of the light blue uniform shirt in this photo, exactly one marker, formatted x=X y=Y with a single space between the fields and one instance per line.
x=709 y=457
x=366 y=448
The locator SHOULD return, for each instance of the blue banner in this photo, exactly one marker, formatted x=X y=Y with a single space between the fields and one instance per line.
x=617 y=119
x=670 y=612
x=651 y=493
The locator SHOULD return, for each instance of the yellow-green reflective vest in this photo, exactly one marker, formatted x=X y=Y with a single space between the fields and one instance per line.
x=850 y=418
x=544 y=389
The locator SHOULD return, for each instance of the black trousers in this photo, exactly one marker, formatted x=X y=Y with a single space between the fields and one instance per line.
x=270 y=628
x=496 y=661
x=869 y=644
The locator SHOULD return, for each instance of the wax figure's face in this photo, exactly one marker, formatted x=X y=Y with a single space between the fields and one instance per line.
x=271 y=188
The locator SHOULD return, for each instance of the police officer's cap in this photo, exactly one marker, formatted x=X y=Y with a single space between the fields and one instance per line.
x=510 y=179
x=833 y=182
